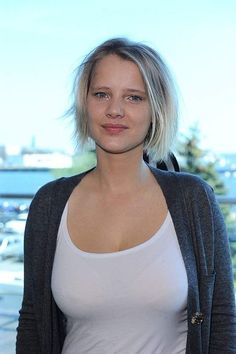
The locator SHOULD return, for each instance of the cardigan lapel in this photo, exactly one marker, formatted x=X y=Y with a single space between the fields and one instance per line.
x=54 y=330
x=176 y=203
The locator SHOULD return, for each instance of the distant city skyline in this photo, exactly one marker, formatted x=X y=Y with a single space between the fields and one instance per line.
x=42 y=42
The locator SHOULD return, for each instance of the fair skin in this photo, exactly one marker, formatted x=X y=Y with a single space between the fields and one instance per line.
x=119 y=204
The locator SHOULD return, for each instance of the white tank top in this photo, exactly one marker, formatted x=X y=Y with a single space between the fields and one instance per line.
x=128 y=302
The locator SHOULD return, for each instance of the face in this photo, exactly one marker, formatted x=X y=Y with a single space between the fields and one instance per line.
x=117 y=106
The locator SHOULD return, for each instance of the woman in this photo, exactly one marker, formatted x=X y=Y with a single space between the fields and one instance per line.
x=126 y=258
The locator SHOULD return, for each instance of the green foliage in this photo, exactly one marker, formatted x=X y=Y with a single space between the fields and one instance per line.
x=194 y=160
x=81 y=163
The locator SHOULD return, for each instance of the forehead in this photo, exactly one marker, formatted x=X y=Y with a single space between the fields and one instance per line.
x=115 y=69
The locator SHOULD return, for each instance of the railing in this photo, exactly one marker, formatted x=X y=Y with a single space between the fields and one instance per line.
x=226 y=200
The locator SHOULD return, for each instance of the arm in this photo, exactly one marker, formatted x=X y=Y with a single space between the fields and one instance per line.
x=213 y=260
x=27 y=335
x=223 y=324
x=29 y=327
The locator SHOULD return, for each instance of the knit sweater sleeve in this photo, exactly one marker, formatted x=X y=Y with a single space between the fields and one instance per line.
x=214 y=265
x=223 y=324
x=28 y=338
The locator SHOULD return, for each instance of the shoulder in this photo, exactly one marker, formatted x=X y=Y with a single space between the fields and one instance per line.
x=65 y=183
x=56 y=191
x=191 y=183
x=181 y=187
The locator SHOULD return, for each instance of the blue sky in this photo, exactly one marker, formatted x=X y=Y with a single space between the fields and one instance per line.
x=41 y=42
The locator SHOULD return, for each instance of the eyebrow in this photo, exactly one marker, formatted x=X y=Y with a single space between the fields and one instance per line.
x=132 y=90
x=136 y=90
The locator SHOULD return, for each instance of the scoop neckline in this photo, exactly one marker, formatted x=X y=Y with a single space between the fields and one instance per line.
x=157 y=235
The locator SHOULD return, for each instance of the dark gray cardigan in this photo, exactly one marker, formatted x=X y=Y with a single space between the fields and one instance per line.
x=203 y=242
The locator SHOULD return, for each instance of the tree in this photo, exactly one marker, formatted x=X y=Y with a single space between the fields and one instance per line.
x=194 y=159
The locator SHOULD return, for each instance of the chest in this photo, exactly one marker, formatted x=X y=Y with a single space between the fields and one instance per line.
x=111 y=299
x=114 y=224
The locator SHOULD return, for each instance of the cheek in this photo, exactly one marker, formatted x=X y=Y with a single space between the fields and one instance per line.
x=94 y=111
x=93 y=120
x=147 y=117
x=148 y=121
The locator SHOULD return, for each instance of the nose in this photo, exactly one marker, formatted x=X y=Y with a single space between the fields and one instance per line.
x=115 y=108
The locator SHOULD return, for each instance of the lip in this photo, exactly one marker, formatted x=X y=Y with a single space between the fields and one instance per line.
x=114 y=128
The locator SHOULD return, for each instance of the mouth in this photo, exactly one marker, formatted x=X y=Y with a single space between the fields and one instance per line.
x=114 y=128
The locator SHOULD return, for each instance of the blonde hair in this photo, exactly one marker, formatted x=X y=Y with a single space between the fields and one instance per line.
x=159 y=86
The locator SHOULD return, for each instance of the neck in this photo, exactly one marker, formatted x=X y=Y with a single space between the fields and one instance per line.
x=121 y=173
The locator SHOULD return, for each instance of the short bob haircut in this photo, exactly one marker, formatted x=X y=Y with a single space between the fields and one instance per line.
x=159 y=86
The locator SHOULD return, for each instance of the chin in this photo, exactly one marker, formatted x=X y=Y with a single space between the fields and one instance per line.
x=111 y=150
x=114 y=149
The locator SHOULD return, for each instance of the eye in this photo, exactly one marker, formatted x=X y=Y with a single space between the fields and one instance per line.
x=135 y=98
x=101 y=95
